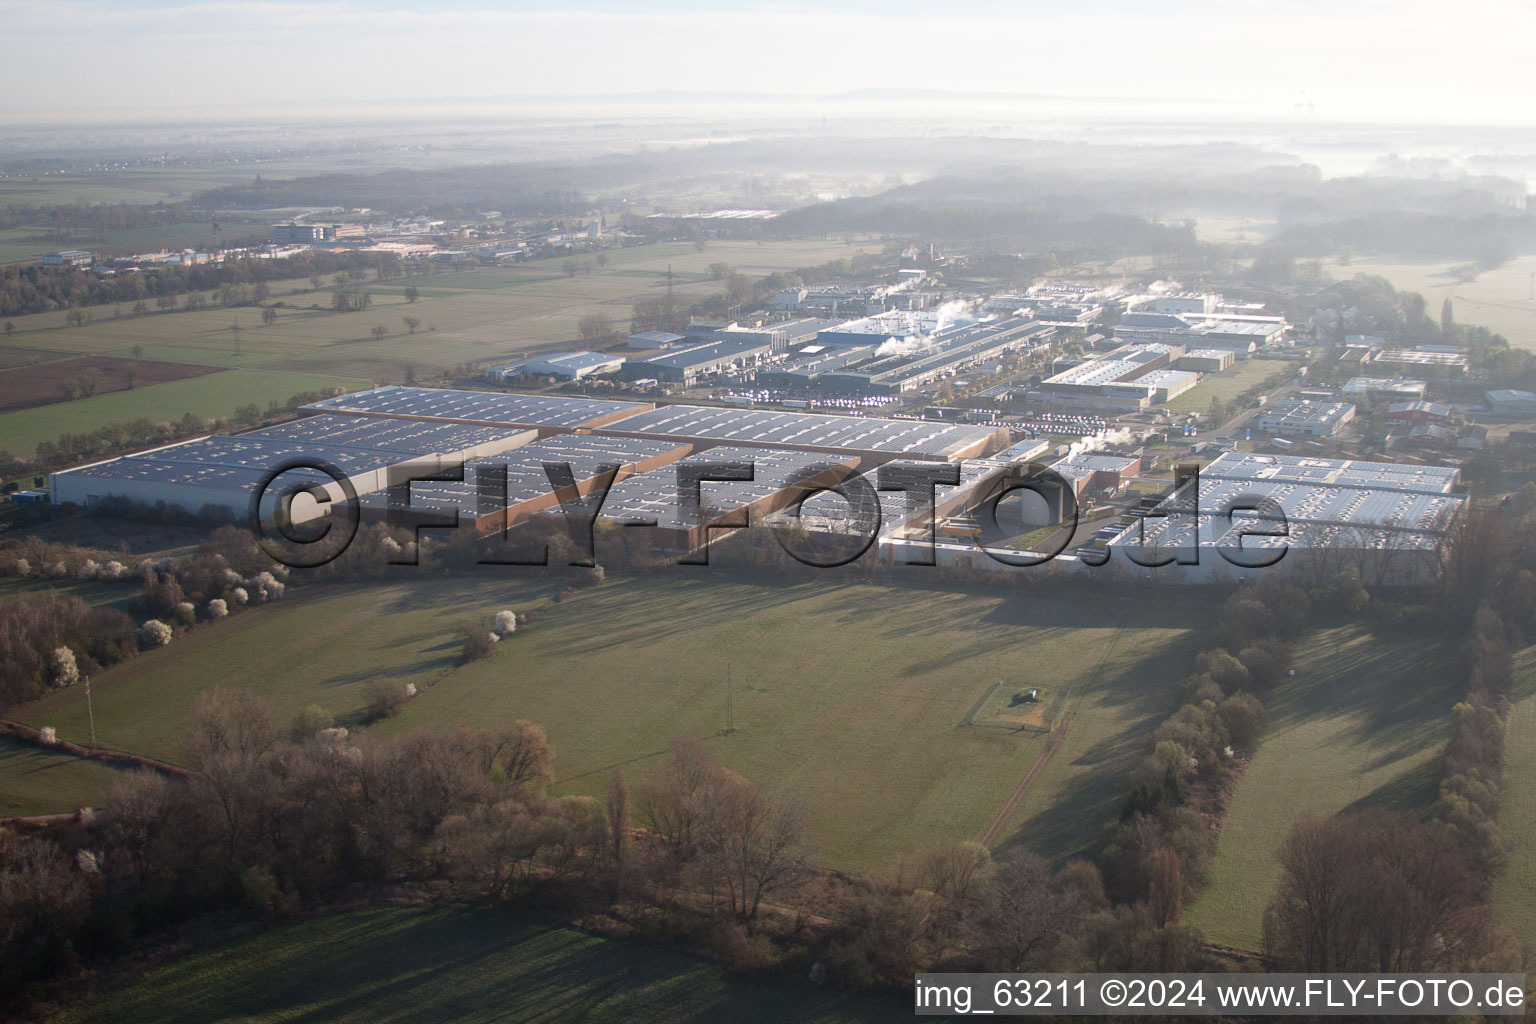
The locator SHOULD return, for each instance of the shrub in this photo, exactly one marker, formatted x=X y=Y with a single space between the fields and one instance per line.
x=385 y=699
x=1230 y=673
x=155 y=633
x=478 y=644
x=1244 y=717
x=311 y=722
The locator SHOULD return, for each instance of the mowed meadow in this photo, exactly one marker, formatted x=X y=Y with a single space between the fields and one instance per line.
x=1360 y=725
x=476 y=316
x=852 y=698
x=1514 y=891
x=1500 y=299
x=421 y=965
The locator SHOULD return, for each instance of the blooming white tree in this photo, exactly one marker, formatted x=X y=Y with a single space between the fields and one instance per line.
x=239 y=596
x=88 y=569
x=156 y=633
x=56 y=569
x=65 y=671
x=47 y=736
x=265 y=587
x=23 y=567
x=506 y=622
x=410 y=690
x=113 y=570
x=217 y=608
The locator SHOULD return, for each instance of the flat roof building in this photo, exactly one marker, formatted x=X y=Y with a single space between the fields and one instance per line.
x=655 y=501
x=1393 y=387
x=1384 y=520
x=223 y=471
x=1115 y=381
x=528 y=487
x=872 y=438
x=549 y=413
x=1511 y=403
x=686 y=364
x=560 y=365
x=1304 y=418
x=1441 y=356
x=654 y=339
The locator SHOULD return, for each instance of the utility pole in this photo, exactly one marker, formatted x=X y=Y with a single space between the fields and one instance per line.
x=730 y=710
x=90 y=712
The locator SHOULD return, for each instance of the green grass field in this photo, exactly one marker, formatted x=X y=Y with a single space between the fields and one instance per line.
x=216 y=395
x=1249 y=373
x=321 y=645
x=851 y=698
x=117 y=594
x=485 y=315
x=491 y=313
x=36 y=781
x=1499 y=300
x=1514 y=892
x=1361 y=725
x=421 y=965
x=1131 y=686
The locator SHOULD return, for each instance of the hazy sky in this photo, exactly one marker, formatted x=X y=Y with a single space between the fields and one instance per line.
x=1390 y=59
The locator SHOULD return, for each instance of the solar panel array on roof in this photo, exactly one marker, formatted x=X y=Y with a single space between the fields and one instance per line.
x=188 y=473
x=653 y=497
x=1326 y=502
x=526 y=477
x=407 y=437
x=809 y=430
x=497 y=408
x=830 y=513
x=181 y=463
x=1341 y=472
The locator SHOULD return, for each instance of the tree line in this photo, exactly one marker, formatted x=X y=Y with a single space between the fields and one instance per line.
x=33 y=288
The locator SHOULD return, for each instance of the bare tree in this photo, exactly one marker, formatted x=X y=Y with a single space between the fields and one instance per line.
x=751 y=842
x=596 y=327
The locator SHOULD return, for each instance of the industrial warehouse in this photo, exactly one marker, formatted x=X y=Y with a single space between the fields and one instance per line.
x=1383 y=520
x=1127 y=379
x=1387 y=517
x=421 y=431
